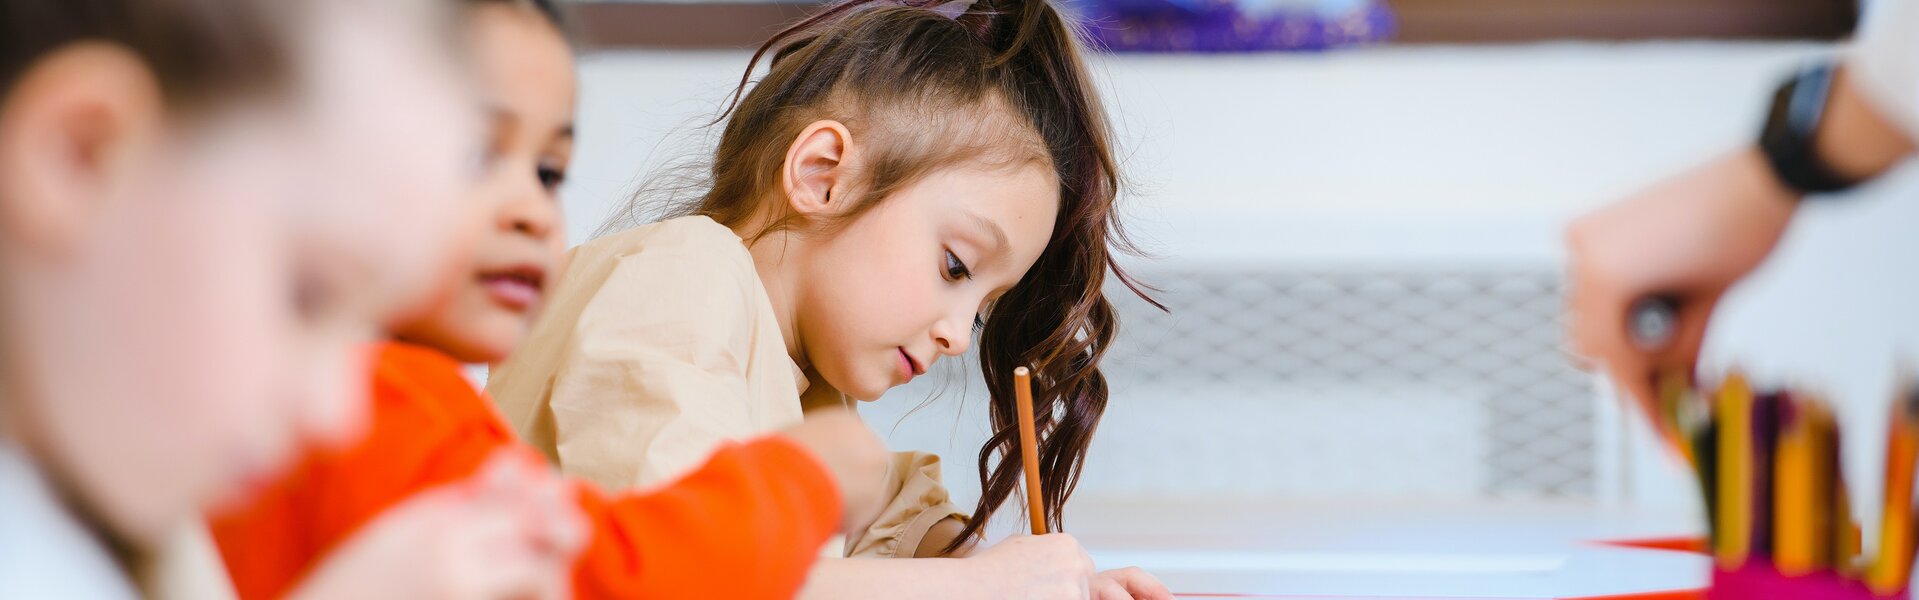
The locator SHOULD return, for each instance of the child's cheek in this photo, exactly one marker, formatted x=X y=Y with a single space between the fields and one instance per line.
x=190 y=400
x=913 y=293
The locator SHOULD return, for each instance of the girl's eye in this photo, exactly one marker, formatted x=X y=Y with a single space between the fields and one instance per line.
x=979 y=324
x=551 y=177
x=956 y=270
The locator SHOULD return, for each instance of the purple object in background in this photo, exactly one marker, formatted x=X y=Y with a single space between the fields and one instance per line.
x=1234 y=25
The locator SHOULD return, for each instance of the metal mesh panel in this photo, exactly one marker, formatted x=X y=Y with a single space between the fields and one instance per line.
x=1284 y=342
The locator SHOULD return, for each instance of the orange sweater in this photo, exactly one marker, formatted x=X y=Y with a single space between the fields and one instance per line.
x=747 y=524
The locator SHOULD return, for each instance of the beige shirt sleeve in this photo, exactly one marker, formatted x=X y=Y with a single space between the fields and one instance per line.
x=651 y=375
x=645 y=392
x=919 y=502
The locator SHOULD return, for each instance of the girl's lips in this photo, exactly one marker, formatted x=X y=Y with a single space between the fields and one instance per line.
x=517 y=288
x=910 y=368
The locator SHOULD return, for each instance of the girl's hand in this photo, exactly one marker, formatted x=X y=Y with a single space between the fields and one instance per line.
x=1037 y=567
x=1130 y=583
x=511 y=531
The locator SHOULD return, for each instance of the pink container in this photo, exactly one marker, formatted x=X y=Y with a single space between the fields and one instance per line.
x=1758 y=580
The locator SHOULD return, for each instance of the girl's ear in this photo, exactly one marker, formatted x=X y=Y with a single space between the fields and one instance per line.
x=68 y=130
x=815 y=168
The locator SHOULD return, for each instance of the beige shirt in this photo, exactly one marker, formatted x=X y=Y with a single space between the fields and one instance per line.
x=657 y=344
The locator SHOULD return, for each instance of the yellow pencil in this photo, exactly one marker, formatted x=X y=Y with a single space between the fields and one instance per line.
x=1733 y=529
x=1798 y=493
x=1029 y=449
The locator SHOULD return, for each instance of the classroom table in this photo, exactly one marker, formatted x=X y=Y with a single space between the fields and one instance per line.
x=1400 y=550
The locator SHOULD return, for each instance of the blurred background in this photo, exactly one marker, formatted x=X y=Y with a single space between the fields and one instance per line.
x=1354 y=210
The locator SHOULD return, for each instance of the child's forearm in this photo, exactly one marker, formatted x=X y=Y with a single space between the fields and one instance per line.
x=923 y=578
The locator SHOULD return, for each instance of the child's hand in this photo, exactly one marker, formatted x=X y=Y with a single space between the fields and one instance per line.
x=1688 y=238
x=1038 y=566
x=1130 y=583
x=855 y=457
x=511 y=531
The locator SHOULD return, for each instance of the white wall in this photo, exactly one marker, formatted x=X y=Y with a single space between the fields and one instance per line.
x=1390 y=154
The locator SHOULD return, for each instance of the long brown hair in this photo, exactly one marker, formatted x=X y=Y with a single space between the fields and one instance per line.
x=1001 y=81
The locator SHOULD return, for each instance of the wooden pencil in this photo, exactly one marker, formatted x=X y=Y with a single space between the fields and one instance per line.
x=1846 y=534
x=1733 y=529
x=1673 y=422
x=1029 y=449
x=1893 y=564
x=1797 y=491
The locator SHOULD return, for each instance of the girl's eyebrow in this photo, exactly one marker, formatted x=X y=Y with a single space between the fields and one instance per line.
x=990 y=229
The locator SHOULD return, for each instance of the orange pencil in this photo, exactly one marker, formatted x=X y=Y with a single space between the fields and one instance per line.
x=1893 y=565
x=1029 y=449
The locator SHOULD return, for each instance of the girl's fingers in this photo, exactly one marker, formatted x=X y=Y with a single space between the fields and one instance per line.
x=566 y=527
x=1141 y=585
x=1106 y=588
x=544 y=502
x=553 y=515
x=498 y=558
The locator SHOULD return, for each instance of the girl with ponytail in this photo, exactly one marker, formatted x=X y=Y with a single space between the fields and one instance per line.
x=909 y=178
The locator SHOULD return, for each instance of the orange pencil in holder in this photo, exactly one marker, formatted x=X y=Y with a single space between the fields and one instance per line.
x=1893 y=565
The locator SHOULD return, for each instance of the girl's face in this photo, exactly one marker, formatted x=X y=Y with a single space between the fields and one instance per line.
x=526 y=73
x=193 y=306
x=878 y=302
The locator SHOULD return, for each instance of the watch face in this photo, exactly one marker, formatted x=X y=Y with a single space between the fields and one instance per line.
x=1806 y=99
x=1798 y=107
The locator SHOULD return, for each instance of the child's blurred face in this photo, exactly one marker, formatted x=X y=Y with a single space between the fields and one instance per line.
x=526 y=74
x=396 y=137
x=153 y=368
x=901 y=286
x=194 y=306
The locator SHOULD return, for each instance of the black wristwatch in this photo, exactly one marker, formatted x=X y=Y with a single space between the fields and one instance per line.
x=1787 y=140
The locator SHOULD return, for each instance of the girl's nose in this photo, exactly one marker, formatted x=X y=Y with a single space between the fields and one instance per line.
x=951 y=340
x=529 y=211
